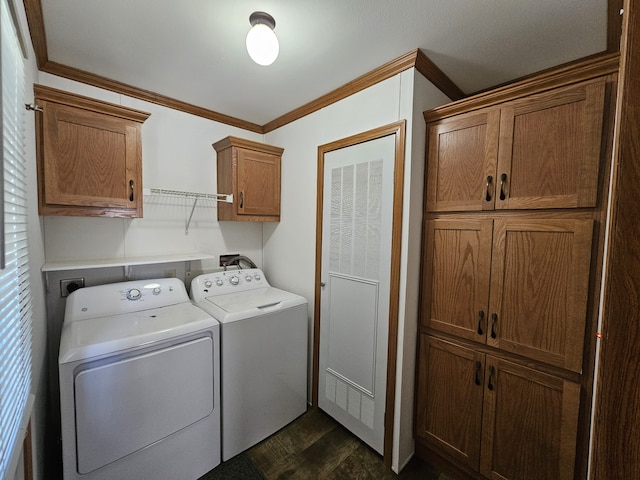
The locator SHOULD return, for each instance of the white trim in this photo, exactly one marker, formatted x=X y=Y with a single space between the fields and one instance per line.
x=18 y=447
x=16 y=23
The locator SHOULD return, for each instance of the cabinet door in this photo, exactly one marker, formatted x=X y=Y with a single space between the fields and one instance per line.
x=258 y=183
x=449 y=398
x=550 y=149
x=529 y=425
x=462 y=153
x=539 y=288
x=90 y=160
x=457 y=263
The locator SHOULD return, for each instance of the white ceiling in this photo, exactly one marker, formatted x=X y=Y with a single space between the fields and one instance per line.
x=194 y=51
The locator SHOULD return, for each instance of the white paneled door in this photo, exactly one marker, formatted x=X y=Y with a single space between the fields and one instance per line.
x=355 y=274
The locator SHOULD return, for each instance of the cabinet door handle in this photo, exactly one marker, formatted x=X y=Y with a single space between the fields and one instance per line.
x=480 y=319
x=131 y=185
x=492 y=371
x=494 y=320
x=241 y=200
x=478 y=368
x=488 y=192
x=503 y=180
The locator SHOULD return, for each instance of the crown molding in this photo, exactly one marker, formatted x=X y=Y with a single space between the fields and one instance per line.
x=35 y=21
x=415 y=58
x=113 y=85
x=568 y=73
x=431 y=72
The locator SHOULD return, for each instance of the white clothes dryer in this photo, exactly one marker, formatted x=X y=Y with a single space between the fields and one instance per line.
x=139 y=383
x=264 y=336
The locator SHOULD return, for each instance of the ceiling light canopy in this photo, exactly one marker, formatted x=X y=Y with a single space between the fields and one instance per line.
x=262 y=43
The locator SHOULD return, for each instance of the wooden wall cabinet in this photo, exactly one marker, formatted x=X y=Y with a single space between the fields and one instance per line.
x=504 y=420
x=89 y=156
x=541 y=151
x=251 y=172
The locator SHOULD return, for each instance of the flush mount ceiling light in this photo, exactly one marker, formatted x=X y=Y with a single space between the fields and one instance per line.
x=262 y=43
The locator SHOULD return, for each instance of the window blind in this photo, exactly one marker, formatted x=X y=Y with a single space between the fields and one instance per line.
x=15 y=296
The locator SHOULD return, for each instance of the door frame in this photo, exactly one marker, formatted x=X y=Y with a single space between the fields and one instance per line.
x=398 y=129
x=614 y=443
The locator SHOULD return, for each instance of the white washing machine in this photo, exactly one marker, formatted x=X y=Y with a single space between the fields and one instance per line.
x=139 y=383
x=264 y=354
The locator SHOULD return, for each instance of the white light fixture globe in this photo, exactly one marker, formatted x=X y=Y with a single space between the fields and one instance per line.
x=262 y=43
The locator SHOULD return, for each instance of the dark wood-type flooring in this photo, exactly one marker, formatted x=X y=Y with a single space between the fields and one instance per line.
x=316 y=447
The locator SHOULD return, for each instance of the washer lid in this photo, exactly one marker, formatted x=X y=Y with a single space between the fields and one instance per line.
x=236 y=306
x=104 y=335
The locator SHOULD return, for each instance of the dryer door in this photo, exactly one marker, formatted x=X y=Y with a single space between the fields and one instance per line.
x=126 y=404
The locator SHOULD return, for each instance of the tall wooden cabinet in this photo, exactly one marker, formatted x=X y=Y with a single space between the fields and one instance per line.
x=89 y=156
x=513 y=240
x=251 y=172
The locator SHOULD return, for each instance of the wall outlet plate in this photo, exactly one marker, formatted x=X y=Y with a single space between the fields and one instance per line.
x=69 y=285
x=224 y=259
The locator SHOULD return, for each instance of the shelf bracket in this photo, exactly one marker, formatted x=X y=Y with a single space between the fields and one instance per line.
x=186 y=228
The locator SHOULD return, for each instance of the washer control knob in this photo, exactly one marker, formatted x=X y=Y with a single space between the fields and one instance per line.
x=208 y=283
x=219 y=282
x=234 y=280
x=248 y=278
x=257 y=276
x=134 y=294
x=157 y=290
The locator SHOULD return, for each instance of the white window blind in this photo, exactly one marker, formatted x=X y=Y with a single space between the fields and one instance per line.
x=15 y=296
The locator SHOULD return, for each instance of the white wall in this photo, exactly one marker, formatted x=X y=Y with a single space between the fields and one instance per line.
x=289 y=246
x=176 y=155
x=424 y=96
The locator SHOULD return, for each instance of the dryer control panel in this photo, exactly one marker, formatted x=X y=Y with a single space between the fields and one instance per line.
x=124 y=297
x=229 y=281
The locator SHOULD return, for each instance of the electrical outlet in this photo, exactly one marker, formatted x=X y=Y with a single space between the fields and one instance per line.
x=69 y=285
x=224 y=259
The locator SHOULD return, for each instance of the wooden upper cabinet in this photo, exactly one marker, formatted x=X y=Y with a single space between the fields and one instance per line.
x=457 y=264
x=550 y=149
x=529 y=423
x=539 y=152
x=462 y=156
x=251 y=172
x=449 y=398
x=89 y=156
x=539 y=289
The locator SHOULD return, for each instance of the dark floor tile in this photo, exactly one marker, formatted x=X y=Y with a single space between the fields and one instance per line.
x=239 y=467
x=416 y=469
x=316 y=447
x=306 y=430
x=275 y=453
x=362 y=464
x=319 y=459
